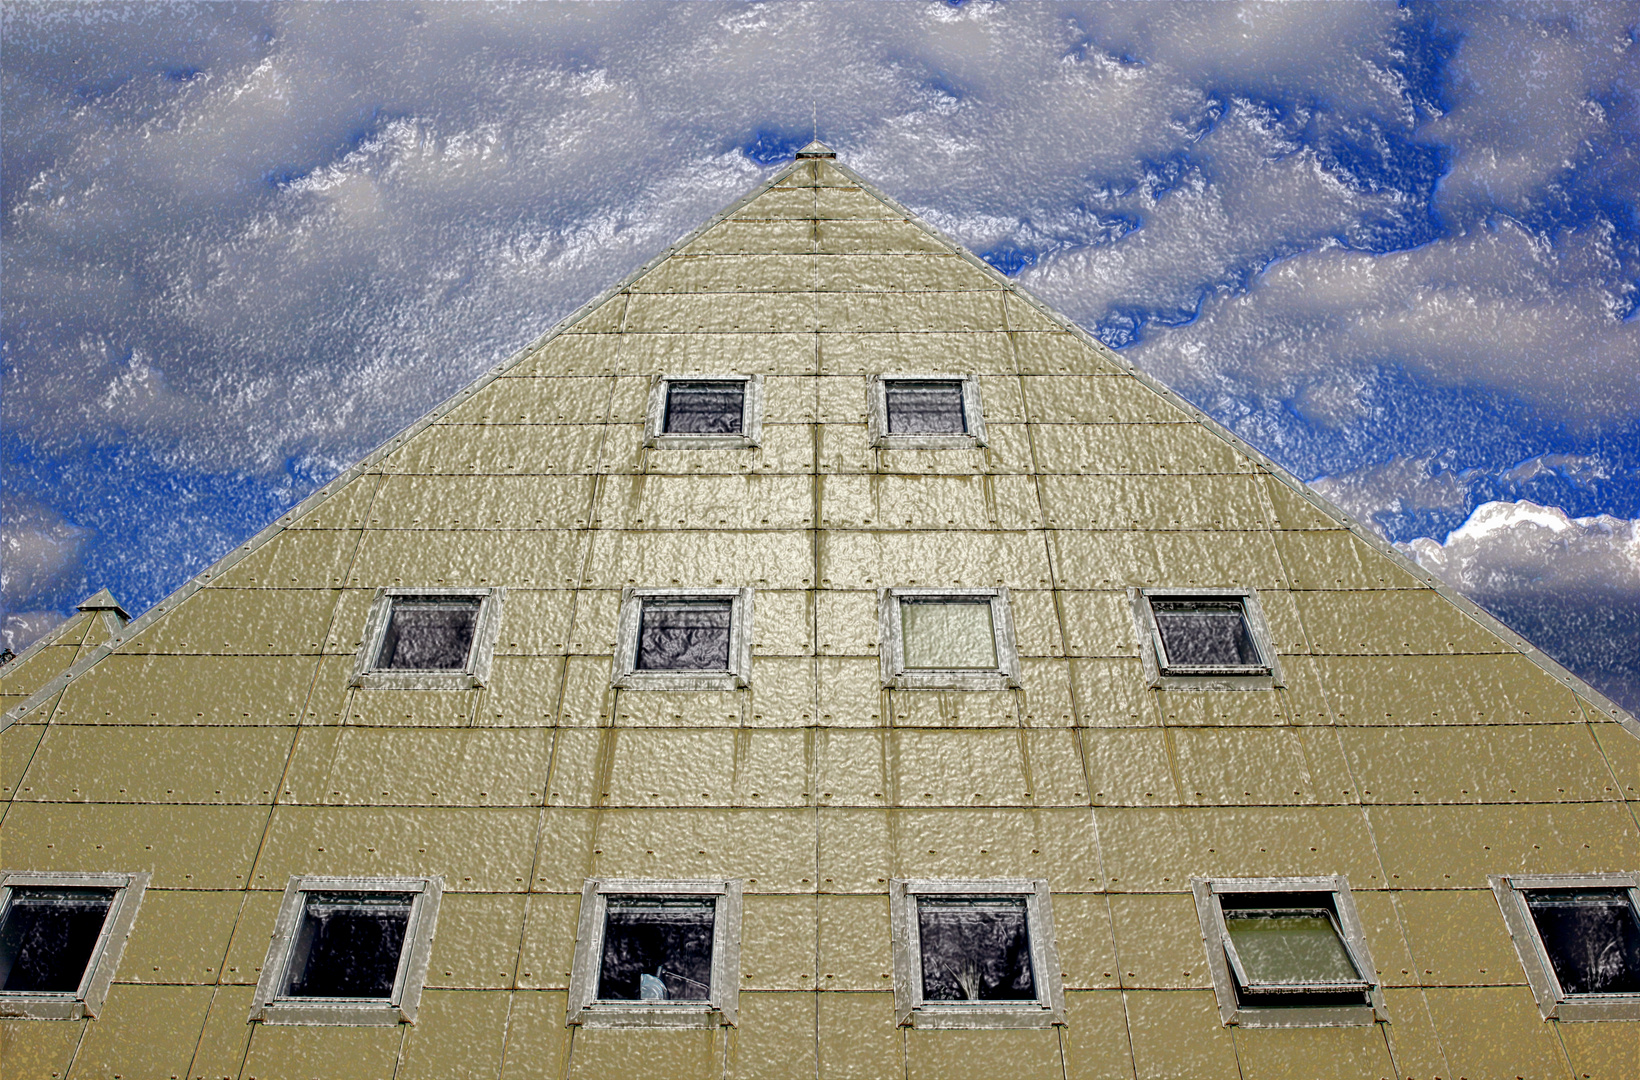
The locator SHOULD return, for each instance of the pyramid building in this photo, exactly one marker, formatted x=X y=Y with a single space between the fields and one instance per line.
x=814 y=658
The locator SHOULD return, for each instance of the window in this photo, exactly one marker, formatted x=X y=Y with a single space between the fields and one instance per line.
x=1287 y=952
x=947 y=639
x=1578 y=937
x=349 y=951
x=974 y=954
x=429 y=639
x=1204 y=639
x=657 y=954
x=684 y=639
x=705 y=411
x=61 y=936
x=925 y=412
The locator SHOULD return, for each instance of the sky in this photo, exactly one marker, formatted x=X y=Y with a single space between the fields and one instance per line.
x=1396 y=247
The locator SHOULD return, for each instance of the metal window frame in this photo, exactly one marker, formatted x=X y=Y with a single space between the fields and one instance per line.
x=891 y=652
x=475 y=674
x=751 y=417
x=626 y=674
x=1159 y=674
x=1216 y=941
x=973 y=416
x=910 y=1010
x=85 y=1000
x=272 y=1006
x=1553 y=1002
x=722 y=1007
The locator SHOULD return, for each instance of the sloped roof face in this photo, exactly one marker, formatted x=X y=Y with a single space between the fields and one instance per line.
x=1409 y=744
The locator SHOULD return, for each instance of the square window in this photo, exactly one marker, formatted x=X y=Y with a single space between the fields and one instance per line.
x=705 y=411
x=349 y=951
x=925 y=412
x=429 y=639
x=1204 y=639
x=1578 y=937
x=61 y=936
x=975 y=954
x=1287 y=952
x=657 y=953
x=947 y=639
x=684 y=639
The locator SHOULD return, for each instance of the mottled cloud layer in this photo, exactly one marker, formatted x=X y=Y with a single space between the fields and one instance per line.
x=1396 y=247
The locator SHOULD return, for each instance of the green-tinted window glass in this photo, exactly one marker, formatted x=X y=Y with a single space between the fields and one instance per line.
x=1289 y=947
x=948 y=634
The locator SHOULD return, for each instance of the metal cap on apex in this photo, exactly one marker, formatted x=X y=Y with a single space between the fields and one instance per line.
x=816 y=149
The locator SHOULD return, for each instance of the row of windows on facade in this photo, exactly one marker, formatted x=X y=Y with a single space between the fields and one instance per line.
x=1282 y=951
x=700 y=639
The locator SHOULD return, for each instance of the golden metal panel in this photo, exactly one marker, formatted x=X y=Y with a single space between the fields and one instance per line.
x=1044 y=697
x=1500 y=689
x=222 y=1044
x=24 y=679
x=1129 y=767
x=1084 y=941
x=1392 y=622
x=180 y=937
x=858 y=1037
x=1292 y=510
x=771 y=850
x=537 y=399
x=730 y=273
x=854 y=203
x=500 y=449
x=345 y=507
x=855 y=943
x=153 y=764
x=184 y=847
x=1335 y=559
x=778 y=203
x=1050 y=350
x=1313 y=1053
x=782 y=692
x=419 y=767
x=843 y=448
x=1456 y=847
x=1261 y=766
x=784 y=625
x=1458 y=938
x=1025 y=316
x=299 y=558
x=1160 y=849
x=785 y=448
x=545 y=960
x=1095 y=1037
x=851 y=767
x=707 y=502
x=850 y=692
x=241 y=621
x=300 y=1052
x=687 y=767
x=1215 y=559
x=909 y=502
x=876 y=313
x=603 y=319
x=1157 y=941
x=1212 y=503
x=388 y=707
x=681 y=708
x=17 y=746
x=588 y=697
x=1143 y=449
x=476 y=849
x=718 y=313
x=936 y=349
x=476 y=943
x=1622 y=752
x=899 y=273
x=537 y=1040
x=1601 y=1051
x=597 y=619
x=1098 y=623
x=1056 y=844
x=1177 y=1034
x=958 y=768
x=827 y=174
x=534 y=622
x=36 y=1050
x=854 y=848
x=1054 y=399
x=678 y=1054
x=754 y=237
x=954 y=708
x=248 y=947
x=545 y=558
x=875 y=238
x=778 y=943
x=841 y=399
x=1299 y=702
x=1494 y=764
x=483 y=502
x=775 y=1039
x=1036 y=623
x=778 y=560
x=868 y=560
x=1381 y=925
x=1007 y=450
x=1111 y=693
x=572 y=354
x=984 y=1055
x=456 y=1033
x=711 y=354
x=142 y=1031
x=789 y=399
x=1495 y=1031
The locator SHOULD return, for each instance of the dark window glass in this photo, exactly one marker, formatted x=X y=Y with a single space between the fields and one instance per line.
x=48 y=935
x=1205 y=633
x=1288 y=951
x=975 y=948
x=348 y=945
x=684 y=635
x=657 y=948
x=924 y=408
x=705 y=408
x=431 y=634
x=1592 y=937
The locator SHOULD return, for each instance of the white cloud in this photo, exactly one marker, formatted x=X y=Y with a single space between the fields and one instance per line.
x=1514 y=547
x=38 y=548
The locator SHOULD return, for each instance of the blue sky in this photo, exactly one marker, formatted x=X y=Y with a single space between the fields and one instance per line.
x=1396 y=247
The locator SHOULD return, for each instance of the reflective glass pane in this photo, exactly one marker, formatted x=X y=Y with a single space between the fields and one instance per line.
x=348 y=945
x=684 y=635
x=948 y=634
x=657 y=948
x=1202 y=633
x=48 y=935
x=1289 y=947
x=975 y=948
x=1592 y=937
x=431 y=634
x=705 y=408
x=924 y=408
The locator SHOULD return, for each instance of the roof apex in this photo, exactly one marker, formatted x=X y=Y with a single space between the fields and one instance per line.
x=816 y=149
x=102 y=600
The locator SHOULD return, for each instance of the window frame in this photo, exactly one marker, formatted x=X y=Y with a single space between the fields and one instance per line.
x=722 y=1007
x=86 y=1000
x=627 y=675
x=271 y=1006
x=891 y=648
x=973 y=415
x=477 y=670
x=1553 y=1002
x=751 y=416
x=910 y=1010
x=1216 y=940
x=1163 y=676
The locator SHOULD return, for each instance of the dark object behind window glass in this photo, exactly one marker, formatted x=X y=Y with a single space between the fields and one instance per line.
x=924 y=408
x=657 y=949
x=432 y=634
x=705 y=408
x=975 y=948
x=348 y=945
x=1592 y=937
x=47 y=937
x=1205 y=633
x=685 y=635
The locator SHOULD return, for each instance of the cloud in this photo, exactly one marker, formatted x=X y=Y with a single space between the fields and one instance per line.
x=39 y=547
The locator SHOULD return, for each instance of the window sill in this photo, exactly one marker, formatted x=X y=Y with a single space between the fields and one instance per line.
x=15 y=1006
x=650 y=1016
x=928 y=442
x=416 y=680
x=679 y=680
x=960 y=1017
x=702 y=442
x=1168 y=680
x=951 y=680
x=340 y=1014
x=1334 y=1016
